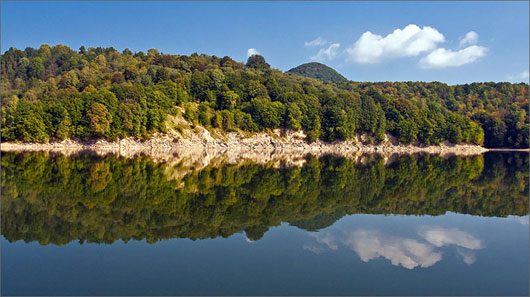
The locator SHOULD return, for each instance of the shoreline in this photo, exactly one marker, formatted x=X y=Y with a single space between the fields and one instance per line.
x=198 y=143
x=508 y=150
x=279 y=149
x=291 y=144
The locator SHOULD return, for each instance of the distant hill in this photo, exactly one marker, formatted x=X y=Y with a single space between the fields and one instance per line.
x=318 y=71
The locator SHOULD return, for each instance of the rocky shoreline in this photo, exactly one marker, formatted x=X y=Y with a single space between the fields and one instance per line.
x=184 y=139
x=235 y=145
x=192 y=150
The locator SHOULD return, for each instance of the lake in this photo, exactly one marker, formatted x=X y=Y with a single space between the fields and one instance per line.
x=406 y=225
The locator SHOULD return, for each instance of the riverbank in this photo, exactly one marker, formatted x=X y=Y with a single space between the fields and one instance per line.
x=508 y=150
x=277 y=142
x=185 y=139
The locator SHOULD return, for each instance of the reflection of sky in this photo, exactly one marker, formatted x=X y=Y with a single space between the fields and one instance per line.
x=524 y=220
x=407 y=252
x=441 y=236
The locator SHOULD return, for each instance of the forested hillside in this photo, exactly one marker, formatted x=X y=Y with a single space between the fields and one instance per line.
x=318 y=71
x=53 y=93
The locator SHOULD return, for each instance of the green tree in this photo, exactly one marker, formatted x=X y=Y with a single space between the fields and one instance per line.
x=266 y=113
x=228 y=99
x=407 y=131
x=257 y=62
x=100 y=119
x=293 y=116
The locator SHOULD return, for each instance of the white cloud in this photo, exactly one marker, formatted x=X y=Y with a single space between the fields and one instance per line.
x=441 y=57
x=317 y=42
x=443 y=236
x=406 y=252
x=471 y=38
x=409 y=42
x=327 y=53
x=521 y=76
x=252 y=51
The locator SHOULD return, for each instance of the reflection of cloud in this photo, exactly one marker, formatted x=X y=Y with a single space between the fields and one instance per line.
x=401 y=251
x=408 y=253
x=468 y=256
x=326 y=238
x=521 y=220
x=314 y=249
x=442 y=236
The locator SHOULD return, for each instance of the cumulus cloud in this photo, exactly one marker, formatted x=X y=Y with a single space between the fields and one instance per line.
x=405 y=252
x=327 y=53
x=442 y=58
x=471 y=38
x=443 y=236
x=252 y=51
x=409 y=42
x=317 y=42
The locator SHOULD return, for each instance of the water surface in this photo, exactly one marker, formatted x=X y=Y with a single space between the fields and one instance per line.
x=412 y=225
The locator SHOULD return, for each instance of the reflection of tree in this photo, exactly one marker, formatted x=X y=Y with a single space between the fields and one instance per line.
x=56 y=199
x=100 y=176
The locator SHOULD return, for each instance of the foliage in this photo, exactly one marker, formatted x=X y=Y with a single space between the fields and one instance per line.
x=257 y=62
x=54 y=93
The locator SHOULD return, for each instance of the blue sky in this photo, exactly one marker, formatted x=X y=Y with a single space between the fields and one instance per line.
x=365 y=41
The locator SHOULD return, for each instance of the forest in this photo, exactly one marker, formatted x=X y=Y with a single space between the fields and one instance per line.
x=52 y=93
x=55 y=199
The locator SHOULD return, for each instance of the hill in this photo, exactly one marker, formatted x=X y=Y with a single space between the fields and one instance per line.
x=318 y=71
x=55 y=93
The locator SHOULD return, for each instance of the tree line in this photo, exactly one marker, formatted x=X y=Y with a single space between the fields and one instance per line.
x=51 y=198
x=55 y=93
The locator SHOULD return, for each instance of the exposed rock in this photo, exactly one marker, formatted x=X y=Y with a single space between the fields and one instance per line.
x=199 y=146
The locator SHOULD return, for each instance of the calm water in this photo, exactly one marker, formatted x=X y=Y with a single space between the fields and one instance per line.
x=424 y=225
